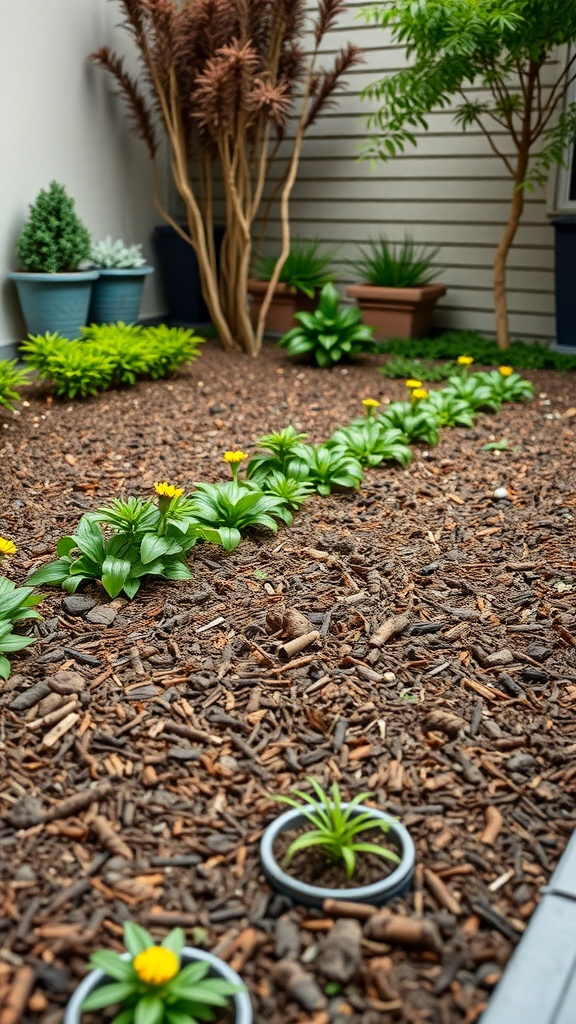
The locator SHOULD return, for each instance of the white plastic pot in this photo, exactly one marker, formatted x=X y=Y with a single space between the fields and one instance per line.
x=240 y=1001
x=377 y=893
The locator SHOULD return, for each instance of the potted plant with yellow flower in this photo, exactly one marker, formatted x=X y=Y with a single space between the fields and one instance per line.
x=170 y=983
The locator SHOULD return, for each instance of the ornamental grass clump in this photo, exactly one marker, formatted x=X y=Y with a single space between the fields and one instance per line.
x=54 y=240
x=335 y=828
x=11 y=380
x=152 y=987
x=329 y=334
x=16 y=605
x=306 y=269
x=222 y=81
x=386 y=264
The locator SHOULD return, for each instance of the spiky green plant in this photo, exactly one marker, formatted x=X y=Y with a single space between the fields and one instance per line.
x=388 y=264
x=306 y=268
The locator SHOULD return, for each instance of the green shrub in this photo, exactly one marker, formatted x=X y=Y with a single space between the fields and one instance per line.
x=305 y=269
x=330 y=333
x=109 y=354
x=402 y=367
x=395 y=264
x=54 y=239
x=11 y=379
x=16 y=604
x=485 y=351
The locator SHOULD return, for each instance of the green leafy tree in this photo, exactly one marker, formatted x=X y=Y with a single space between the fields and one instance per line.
x=505 y=47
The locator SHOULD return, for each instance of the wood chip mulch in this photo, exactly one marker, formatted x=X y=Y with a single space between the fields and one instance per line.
x=140 y=740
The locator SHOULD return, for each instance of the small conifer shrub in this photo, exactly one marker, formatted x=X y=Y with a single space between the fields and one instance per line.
x=54 y=240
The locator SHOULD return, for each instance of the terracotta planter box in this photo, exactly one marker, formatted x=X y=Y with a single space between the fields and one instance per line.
x=397 y=312
x=285 y=303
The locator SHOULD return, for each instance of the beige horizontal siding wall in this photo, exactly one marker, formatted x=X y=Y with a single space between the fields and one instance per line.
x=449 y=192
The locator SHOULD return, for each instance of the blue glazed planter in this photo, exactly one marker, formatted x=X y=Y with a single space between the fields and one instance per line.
x=55 y=302
x=117 y=294
x=377 y=893
x=240 y=1001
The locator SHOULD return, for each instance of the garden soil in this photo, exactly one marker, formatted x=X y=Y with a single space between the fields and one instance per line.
x=141 y=740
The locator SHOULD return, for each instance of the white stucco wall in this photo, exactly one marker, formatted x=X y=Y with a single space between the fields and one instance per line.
x=59 y=120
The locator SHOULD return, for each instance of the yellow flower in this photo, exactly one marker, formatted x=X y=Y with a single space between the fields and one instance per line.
x=506 y=371
x=7 y=547
x=156 y=966
x=465 y=360
x=370 y=403
x=412 y=384
x=164 y=490
x=237 y=456
x=419 y=393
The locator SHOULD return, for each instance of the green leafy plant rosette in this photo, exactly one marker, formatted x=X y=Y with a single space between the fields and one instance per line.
x=414 y=423
x=284 y=452
x=370 y=443
x=330 y=334
x=16 y=604
x=54 y=240
x=113 y=254
x=403 y=264
x=306 y=268
x=449 y=409
x=507 y=386
x=234 y=506
x=332 y=467
x=477 y=393
x=335 y=829
x=152 y=987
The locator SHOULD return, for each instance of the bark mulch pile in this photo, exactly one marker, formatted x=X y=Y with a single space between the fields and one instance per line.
x=140 y=740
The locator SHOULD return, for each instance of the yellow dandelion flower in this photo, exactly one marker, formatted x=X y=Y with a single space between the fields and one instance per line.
x=412 y=384
x=156 y=966
x=419 y=393
x=236 y=456
x=506 y=371
x=7 y=547
x=370 y=403
x=465 y=360
x=165 y=490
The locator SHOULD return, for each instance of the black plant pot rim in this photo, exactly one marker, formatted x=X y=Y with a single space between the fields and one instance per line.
x=376 y=893
x=240 y=1001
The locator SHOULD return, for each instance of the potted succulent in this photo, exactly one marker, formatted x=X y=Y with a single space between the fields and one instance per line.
x=54 y=293
x=117 y=293
x=304 y=273
x=398 y=293
x=336 y=838
x=165 y=984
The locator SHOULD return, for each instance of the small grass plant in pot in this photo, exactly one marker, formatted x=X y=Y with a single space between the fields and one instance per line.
x=170 y=983
x=117 y=294
x=303 y=275
x=54 y=291
x=397 y=294
x=326 y=848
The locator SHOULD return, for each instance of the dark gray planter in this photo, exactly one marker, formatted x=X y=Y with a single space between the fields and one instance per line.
x=55 y=303
x=240 y=1001
x=377 y=893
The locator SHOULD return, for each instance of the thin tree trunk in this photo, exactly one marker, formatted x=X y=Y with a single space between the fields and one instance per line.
x=500 y=260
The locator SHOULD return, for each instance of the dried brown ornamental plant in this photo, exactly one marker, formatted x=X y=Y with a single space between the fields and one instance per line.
x=221 y=79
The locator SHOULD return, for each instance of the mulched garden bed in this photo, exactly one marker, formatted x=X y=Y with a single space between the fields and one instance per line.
x=177 y=718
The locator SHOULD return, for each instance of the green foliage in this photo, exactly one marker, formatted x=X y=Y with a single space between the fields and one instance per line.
x=500 y=446
x=331 y=467
x=11 y=379
x=16 y=604
x=330 y=333
x=395 y=265
x=449 y=409
x=484 y=350
x=404 y=368
x=371 y=444
x=193 y=995
x=54 y=240
x=306 y=268
x=234 y=506
x=285 y=453
x=476 y=393
x=142 y=542
x=114 y=255
x=414 y=422
x=335 y=829
x=510 y=387
x=109 y=354
x=290 y=491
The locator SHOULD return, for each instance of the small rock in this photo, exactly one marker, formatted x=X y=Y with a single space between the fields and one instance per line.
x=65 y=682
x=24 y=873
x=389 y=677
x=55 y=979
x=300 y=985
x=101 y=615
x=26 y=700
x=339 y=954
x=185 y=753
x=428 y=570
x=501 y=494
x=27 y=811
x=538 y=651
x=521 y=763
x=77 y=604
x=287 y=939
x=161 y=660
x=503 y=657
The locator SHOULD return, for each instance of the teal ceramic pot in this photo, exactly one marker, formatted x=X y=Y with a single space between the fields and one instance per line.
x=55 y=303
x=117 y=295
x=240 y=1002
